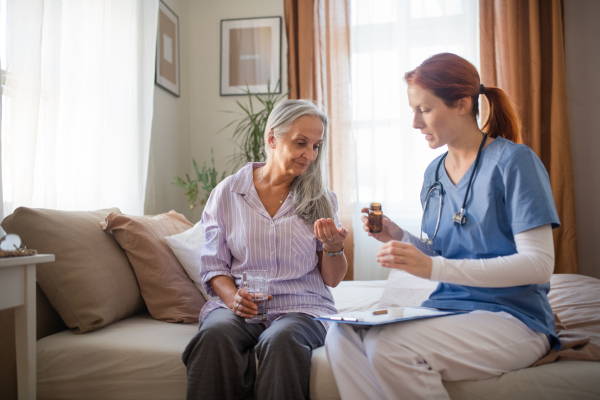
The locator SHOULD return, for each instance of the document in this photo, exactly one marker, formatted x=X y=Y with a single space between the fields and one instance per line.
x=386 y=315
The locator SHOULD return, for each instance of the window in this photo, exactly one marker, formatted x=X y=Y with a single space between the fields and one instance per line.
x=389 y=38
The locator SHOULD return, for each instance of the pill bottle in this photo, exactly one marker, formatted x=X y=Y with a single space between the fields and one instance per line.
x=375 y=218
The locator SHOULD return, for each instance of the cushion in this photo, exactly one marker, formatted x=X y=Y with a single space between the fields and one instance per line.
x=405 y=290
x=187 y=247
x=575 y=301
x=169 y=293
x=91 y=284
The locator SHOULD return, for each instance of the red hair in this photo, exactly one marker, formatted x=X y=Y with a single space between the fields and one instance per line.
x=452 y=78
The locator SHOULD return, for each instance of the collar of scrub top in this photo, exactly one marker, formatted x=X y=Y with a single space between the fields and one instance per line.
x=459 y=217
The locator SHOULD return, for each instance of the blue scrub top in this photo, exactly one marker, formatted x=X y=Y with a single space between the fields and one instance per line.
x=510 y=193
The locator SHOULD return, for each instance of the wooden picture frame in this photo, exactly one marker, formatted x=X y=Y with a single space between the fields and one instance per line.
x=167 y=50
x=250 y=56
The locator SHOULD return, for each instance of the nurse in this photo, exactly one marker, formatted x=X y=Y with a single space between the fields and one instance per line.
x=488 y=216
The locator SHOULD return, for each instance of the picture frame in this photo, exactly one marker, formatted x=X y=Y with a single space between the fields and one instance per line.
x=250 y=56
x=167 y=50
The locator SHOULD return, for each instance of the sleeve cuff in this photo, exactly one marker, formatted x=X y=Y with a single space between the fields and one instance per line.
x=437 y=264
x=406 y=237
x=206 y=281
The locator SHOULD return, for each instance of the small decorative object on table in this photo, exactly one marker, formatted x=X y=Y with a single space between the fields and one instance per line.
x=11 y=246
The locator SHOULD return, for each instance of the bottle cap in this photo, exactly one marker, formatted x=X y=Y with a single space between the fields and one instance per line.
x=376 y=206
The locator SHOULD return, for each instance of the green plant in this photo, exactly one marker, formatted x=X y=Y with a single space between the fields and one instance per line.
x=250 y=129
x=208 y=178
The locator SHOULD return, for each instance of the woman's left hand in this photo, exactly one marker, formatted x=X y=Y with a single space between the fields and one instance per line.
x=331 y=237
x=404 y=256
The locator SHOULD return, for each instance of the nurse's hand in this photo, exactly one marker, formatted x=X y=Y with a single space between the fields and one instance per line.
x=389 y=231
x=406 y=257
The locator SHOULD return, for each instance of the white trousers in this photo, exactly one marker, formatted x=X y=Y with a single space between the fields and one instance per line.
x=409 y=360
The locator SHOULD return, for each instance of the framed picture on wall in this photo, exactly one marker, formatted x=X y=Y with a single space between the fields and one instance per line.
x=167 y=49
x=250 y=55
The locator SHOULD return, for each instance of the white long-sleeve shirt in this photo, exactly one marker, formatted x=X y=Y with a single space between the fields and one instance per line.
x=532 y=264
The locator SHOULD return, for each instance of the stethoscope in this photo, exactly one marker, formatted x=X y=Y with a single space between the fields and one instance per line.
x=459 y=217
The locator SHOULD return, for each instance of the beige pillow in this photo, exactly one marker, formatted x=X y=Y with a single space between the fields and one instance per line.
x=91 y=284
x=169 y=293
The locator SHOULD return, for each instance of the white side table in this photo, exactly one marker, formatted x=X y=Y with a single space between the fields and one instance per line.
x=17 y=289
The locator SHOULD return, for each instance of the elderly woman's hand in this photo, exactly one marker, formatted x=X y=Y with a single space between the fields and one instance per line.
x=406 y=257
x=331 y=237
x=243 y=306
x=390 y=231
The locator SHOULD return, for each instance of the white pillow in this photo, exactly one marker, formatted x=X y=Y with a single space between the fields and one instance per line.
x=405 y=290
x=187 y=247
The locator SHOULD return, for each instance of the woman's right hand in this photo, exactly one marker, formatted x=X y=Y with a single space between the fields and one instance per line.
x=390 y=231
x=243 y=306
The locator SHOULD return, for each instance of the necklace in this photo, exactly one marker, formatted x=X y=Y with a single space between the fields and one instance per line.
x=262 y=177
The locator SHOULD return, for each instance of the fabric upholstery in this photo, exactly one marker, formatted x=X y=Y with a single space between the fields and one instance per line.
x=575 y=300
x=405 y=290
x=91 y=284
x=187 y=247
x=169 y=293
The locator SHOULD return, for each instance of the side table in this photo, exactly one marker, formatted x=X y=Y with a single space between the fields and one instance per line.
x=17 y=289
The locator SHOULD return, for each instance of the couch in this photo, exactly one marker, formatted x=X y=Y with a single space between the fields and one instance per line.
x=120 y=345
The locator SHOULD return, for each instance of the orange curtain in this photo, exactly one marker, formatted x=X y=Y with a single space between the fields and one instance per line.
x=318 y=33
x=523 y=52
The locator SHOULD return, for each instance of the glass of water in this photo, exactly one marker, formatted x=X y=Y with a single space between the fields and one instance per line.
x=257 y=285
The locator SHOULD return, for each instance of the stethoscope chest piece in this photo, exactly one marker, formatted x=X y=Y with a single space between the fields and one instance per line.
x=459 y=218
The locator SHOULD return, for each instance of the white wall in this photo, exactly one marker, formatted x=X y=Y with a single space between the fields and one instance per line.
x=582 y=43
x=170 y=145
x=206 y=118
x=186 y=127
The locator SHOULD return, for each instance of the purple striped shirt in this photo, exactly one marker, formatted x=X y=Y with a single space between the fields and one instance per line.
x=241 y=235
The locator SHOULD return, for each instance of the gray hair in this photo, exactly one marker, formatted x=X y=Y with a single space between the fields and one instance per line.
x=309 y=190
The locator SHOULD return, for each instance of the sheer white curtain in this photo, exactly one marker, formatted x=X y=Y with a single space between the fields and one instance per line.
x=389 y=38
x=77 y=103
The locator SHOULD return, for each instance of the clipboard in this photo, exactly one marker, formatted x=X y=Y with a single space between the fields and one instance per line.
x=387 y=315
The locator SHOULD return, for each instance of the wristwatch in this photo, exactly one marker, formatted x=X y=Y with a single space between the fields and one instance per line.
x=337 y=253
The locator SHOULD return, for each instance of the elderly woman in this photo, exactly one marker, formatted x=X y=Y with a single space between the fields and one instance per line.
x=280 y=217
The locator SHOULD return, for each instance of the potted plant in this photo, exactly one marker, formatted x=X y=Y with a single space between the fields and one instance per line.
x=207 y=178
x=249 y=131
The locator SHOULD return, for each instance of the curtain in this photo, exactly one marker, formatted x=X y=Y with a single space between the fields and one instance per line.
x=523 y=52
x=77 y=103
x=388 y=39
x=318 y=33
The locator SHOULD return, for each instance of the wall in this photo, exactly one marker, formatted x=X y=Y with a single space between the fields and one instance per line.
x=206 y=105
x=187 y=127
x=582 y=32
x=170 y=145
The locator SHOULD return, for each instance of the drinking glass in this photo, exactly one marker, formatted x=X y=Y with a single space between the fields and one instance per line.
x=257 y=285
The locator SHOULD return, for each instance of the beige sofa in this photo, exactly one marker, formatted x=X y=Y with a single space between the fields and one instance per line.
x=139 y=357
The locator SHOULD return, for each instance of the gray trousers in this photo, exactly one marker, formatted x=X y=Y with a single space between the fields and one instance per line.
x=220 y=358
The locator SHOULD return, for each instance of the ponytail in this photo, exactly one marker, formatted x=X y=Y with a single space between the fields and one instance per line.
x=452 y=78
x=502 y=119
